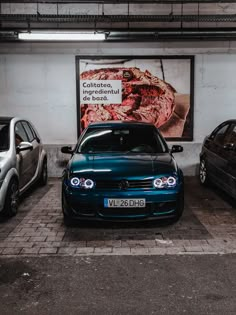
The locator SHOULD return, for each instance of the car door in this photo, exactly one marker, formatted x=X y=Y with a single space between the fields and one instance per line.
x=24 y=158
x=32 y=138
x=217 y=156
x=231 y=148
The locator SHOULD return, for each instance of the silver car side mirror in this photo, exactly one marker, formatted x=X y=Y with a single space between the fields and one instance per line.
x=24 y=146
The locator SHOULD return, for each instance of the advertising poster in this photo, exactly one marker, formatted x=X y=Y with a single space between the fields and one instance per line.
x=146 y=89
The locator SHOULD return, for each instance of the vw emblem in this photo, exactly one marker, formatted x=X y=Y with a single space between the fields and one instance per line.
x=124 y=184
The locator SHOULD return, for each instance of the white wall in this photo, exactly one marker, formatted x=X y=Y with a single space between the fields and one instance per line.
x=39 y=82
x=215 y=97
x=41 y=88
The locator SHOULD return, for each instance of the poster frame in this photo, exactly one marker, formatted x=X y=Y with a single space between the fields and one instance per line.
x=191 y=58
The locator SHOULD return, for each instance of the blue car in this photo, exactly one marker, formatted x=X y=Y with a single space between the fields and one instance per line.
x=122 y=171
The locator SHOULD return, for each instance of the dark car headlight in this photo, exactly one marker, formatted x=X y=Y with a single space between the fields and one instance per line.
x=84 y=183
x=165 y=182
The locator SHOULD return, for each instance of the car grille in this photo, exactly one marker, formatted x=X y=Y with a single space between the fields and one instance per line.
x=85 y=209
x=124 y=212
x=130 y=184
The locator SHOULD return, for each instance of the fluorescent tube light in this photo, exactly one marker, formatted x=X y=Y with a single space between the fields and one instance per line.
x=62 y=36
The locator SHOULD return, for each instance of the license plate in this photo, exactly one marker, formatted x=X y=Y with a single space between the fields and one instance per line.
x=124 y=203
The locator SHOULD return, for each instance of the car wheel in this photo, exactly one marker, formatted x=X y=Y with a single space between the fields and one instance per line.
x=12 y=199
x=44 y=174
x=68 y=221
x=203 y=174
x=180 y=207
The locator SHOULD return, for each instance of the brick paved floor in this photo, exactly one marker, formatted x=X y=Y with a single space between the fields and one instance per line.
x=207 y=226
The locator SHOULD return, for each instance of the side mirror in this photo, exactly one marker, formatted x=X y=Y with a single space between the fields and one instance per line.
x=67 y=150
x=211 y=136
x=177 y=148
x=229 y=147
x=24 y=146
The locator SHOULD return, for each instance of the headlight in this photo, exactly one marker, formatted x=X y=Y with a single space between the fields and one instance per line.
x=75 y=181
x=171 y=181
x=158 y=183
x=165 y=182
x=88 y=184
x=85 y=183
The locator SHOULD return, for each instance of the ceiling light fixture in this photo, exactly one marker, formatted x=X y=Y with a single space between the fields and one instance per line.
x=62 y=36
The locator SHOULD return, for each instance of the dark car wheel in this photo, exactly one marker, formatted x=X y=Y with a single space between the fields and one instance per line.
x=44 y=174
x=12 y=199
x=180 y=207
x=68 y=221
x=203 y=174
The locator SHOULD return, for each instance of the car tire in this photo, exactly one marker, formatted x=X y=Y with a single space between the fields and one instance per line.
x=203 y=173
x=180 y=207
x=44 y=174
x=68 y=221
x=12 y=199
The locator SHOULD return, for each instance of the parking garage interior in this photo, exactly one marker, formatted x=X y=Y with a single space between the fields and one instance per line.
x=38 y=79
x=193 y=42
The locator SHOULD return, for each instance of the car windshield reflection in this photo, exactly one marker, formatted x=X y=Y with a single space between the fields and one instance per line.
x=128 y=140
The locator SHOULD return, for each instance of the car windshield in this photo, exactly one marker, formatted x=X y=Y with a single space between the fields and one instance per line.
x=4 y=136
x=138 y=139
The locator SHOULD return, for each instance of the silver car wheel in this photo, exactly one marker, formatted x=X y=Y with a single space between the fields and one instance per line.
x=14 y=197
x=203 y=172
x=45 y=172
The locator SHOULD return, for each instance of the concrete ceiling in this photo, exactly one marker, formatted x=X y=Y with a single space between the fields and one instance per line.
x=123 y=20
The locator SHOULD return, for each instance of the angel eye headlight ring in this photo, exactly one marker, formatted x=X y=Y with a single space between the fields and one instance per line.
x=88 y=183
x=158 y=183
x=171 y=181
x=75 y=181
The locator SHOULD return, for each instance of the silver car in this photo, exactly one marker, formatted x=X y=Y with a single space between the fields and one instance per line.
x=23 y=161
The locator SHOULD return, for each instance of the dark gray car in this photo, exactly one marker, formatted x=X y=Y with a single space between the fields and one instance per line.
x=23 y=161
x=218 y=158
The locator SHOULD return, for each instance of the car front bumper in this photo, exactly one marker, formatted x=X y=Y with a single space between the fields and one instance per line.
x=89 y=205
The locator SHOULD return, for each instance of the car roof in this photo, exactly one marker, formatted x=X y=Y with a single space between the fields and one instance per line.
x=119 y=123
x=229 y=121
x=5 y=119
x=8 y=119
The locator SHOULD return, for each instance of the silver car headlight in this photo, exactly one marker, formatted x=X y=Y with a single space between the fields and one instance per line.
x=165 y=182
x=85 y=183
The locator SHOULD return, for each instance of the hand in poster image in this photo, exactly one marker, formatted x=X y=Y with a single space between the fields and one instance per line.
x=175 y=125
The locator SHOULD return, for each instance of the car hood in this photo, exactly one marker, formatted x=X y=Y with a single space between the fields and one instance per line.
x=122 y=165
